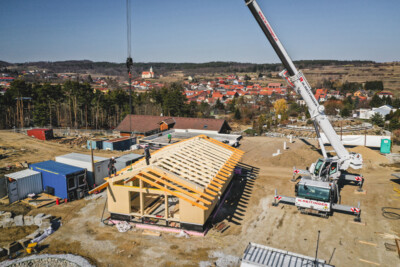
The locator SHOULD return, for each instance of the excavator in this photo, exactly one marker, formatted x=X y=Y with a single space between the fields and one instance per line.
x=318 y=191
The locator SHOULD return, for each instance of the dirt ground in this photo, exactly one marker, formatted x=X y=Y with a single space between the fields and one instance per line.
x=18 y=148
x=11 y=234
x=248 y=213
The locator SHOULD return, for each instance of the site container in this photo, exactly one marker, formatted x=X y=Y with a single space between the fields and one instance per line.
x=385 y=146
x=41 y=134
x=121 y=144
x=3 y=187
x=62 y=178
x=85 y=161
x=95 y=143
x=22 y=183
x=126 y=160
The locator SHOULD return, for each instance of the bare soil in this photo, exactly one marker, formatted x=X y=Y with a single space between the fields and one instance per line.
x=248 y=213
x=15 y=233
x=20 y=209
x=16 y=148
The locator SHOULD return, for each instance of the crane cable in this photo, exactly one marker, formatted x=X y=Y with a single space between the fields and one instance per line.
x=128 y=26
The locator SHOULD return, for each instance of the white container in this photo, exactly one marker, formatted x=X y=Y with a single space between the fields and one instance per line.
x=23 y=183
x=126 y=160
x=85 y=161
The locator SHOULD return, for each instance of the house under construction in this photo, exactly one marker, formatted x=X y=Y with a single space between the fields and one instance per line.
x=180 y=188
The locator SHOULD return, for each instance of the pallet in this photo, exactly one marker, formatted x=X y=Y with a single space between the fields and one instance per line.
x=42 y=200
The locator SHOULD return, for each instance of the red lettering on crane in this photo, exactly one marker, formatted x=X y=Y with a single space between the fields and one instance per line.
x=268 y=26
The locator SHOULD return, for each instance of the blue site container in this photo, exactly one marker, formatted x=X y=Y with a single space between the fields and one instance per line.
x=95 y=143
x=121 y=144
x=64 y=179
x=385 y=146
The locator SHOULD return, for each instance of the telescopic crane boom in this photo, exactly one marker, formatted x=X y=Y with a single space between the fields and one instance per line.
x=318 y=191
x=299 y=83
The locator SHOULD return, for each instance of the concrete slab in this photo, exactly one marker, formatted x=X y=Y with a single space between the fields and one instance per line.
x=9 y=222
x=5 y=215
x=19 y=220
x=28 y=220
x=38 y=219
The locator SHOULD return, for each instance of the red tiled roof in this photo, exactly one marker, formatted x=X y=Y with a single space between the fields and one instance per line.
x=274 y=85
x=144 y=123
x=217 y=95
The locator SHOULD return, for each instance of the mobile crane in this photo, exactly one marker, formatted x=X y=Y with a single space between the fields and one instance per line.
x=318 y=191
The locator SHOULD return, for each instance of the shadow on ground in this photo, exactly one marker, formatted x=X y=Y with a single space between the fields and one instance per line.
x=236 y=202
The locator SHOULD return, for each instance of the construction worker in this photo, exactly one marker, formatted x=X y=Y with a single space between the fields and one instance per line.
x=111 y=168
x=147 y=154
x=169 y=138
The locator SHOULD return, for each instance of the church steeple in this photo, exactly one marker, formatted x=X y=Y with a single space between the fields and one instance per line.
x=151 y=69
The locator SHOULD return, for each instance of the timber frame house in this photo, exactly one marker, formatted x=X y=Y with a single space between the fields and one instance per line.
x=180 y=188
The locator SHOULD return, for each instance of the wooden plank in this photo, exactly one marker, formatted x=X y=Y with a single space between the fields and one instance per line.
x=186 y=186
x=216 y=184
x=176 y=188
x=181 y=184
x=207 y=155
x=215 y=149
x=211 y=156
x=198 y=156
x=226 y=146
x=204 y=164
x=176 y=177
x=211 y=192
x=367 y=243
x=149 y=210
x=221 y=144
x=199 y=168
x=218 y=180
x=221 y=177
x=225 y=172
x=173 y=193
x=370 y=262
x=222 y=174
x=151 y=233
x=213 y=188
x=217 y=146
x=100 y=187
x=181 y=174
x=195 y=176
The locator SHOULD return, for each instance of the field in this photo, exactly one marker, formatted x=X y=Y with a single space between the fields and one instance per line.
x=389 y=73
x=248 y=214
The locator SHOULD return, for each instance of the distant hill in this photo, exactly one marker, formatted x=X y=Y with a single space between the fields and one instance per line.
x=109 y=68
x=4 y=64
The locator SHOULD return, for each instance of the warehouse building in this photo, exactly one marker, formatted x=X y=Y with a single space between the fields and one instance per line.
x=180 y=188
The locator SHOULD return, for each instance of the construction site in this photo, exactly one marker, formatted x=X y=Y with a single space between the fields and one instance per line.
x=177 y=191
x=245 y=213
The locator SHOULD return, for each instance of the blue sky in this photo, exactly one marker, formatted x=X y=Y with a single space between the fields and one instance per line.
x=197 y=30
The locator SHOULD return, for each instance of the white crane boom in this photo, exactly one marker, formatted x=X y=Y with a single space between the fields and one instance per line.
x=297 y=80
